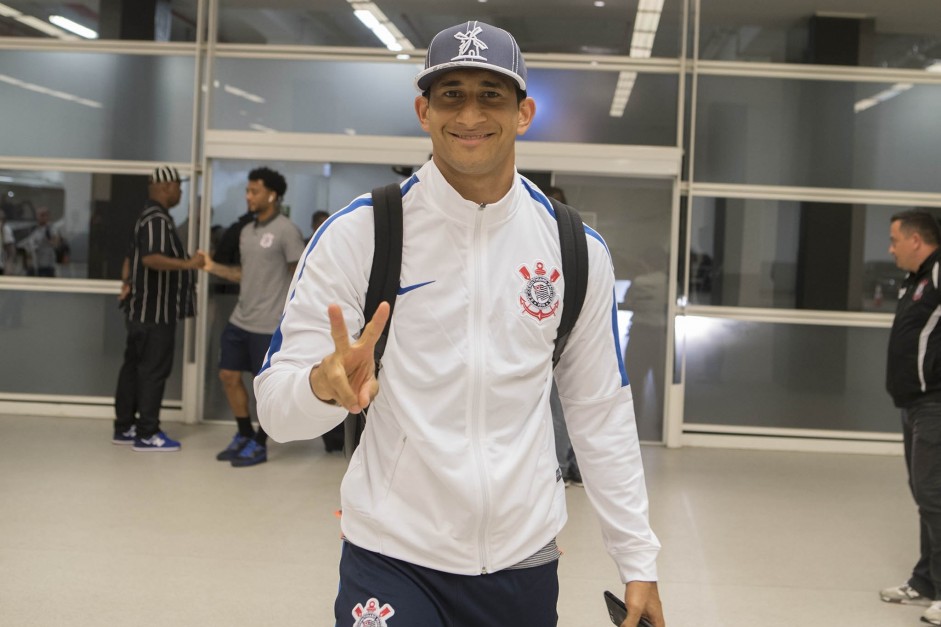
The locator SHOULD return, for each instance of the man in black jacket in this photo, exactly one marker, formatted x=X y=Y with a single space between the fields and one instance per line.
x=913 y=379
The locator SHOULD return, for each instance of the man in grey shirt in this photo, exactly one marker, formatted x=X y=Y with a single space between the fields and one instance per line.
x=269 y=248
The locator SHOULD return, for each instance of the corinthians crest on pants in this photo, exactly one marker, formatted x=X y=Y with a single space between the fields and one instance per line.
x=372 y=615
x=539 y=298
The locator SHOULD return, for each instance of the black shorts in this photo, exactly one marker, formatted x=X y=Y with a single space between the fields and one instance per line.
x=243 y=350
x=373 y=587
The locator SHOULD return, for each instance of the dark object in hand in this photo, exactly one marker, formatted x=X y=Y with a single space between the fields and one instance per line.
x=617 y=611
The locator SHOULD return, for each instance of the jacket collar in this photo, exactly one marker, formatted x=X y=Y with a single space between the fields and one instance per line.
x=457 y=208
x=928 y=262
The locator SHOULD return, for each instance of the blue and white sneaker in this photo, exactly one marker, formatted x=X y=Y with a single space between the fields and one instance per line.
x=125 y=437
x=234 y=448
x=158 y=443
x=251 y=454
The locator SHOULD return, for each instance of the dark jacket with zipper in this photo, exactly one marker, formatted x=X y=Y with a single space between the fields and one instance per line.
x=913 y=371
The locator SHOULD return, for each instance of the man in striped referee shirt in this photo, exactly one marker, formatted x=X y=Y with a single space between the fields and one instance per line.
x=160 y=282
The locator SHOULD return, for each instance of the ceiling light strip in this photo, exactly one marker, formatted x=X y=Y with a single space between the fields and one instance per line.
x=39 y=89
x=375 y=20
x=73 y=27
x=646 y=23
x=35 y=23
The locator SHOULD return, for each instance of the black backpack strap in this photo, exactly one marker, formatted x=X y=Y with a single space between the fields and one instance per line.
x=574 y=246
x=387 y=257
x=383 y=284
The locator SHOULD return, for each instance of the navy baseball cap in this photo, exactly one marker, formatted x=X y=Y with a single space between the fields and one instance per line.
x=473 y=45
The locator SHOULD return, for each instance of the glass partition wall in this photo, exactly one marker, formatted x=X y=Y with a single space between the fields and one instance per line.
x=741 y=161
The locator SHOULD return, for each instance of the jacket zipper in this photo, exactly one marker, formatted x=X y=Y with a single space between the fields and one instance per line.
x=477 y=392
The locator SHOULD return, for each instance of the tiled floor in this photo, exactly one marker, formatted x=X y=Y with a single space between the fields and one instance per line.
x=93 y=534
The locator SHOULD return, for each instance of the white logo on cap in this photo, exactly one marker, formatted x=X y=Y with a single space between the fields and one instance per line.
x=467 y=40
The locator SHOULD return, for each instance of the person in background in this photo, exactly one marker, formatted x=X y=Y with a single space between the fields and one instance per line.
x=453 y=500
x=11 y=301
x=913 y=380
x=269 y=248
x=319 y=217
x=159 y=292
x=7 y=245
x=40 y=245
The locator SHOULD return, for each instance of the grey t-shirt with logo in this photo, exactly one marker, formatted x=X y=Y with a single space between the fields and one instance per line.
x=269 y=251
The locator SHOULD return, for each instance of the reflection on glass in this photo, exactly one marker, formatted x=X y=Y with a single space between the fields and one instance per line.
x=328 y=97
x=93 y=214
x=901 y=36
x=96 y=106
x=792 y=255
x=817 y=134
x=550 y=26
x=171 y=20
x=633 y=216
x=645 y=346
x=792 y=376
x=69 y=344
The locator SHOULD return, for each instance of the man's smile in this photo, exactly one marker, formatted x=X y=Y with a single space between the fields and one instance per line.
x=470 y=137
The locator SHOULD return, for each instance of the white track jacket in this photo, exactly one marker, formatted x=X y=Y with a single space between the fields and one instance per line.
x=457 y=470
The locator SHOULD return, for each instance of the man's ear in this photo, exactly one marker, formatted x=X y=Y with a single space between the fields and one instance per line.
x=526 y=114
x=421 y=110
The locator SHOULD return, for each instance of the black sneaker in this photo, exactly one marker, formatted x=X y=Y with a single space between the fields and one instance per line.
x=252 y=453
x=234 y=448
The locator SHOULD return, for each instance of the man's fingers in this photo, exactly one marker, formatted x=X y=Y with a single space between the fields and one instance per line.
x=341 y=337
x=368 y=392
x=330 y=382
x=375 y=326
x=348 y=378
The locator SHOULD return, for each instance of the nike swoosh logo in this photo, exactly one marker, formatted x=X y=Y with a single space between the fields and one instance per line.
x=409 y=288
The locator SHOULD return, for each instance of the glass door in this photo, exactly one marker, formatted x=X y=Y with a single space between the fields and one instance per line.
x=628 y=194
x=634 y=216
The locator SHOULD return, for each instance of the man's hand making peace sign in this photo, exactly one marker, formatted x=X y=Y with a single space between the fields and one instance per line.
x=347 y=376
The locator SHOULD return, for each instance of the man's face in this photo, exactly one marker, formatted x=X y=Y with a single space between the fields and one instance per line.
x=473 y=119
x=258 y=197
x=176 y=193
x=904 y=246
x=42 y=217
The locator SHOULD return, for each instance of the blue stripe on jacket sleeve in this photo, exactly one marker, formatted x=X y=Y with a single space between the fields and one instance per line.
x=617 y=340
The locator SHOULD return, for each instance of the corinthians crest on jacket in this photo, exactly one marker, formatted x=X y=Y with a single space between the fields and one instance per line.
x=372 y=615
x=540 y=296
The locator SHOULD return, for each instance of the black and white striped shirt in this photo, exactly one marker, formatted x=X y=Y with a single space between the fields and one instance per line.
x=158 y=296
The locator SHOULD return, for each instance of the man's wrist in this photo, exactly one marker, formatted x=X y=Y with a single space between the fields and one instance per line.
x=310 y=382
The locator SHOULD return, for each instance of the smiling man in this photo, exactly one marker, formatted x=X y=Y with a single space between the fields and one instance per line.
x=453 y=500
